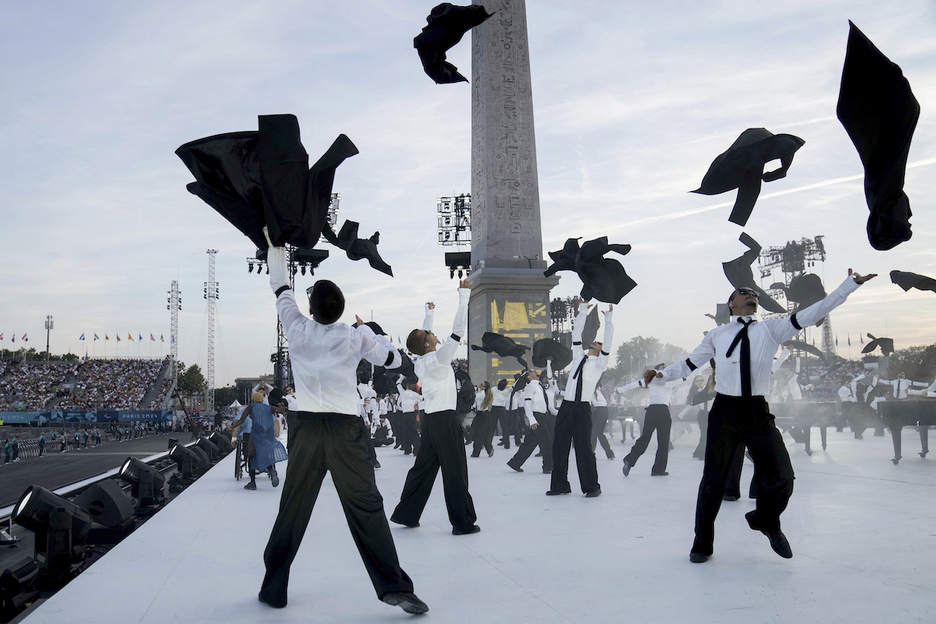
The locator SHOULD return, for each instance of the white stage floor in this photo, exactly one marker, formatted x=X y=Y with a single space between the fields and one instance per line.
x=863 y=532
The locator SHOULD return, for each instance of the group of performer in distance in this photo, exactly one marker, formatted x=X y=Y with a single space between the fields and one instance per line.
x=326 y=436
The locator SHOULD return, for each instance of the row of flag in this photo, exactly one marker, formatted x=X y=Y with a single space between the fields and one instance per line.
x=860 y=337
x=129 y=337
x=96 y=337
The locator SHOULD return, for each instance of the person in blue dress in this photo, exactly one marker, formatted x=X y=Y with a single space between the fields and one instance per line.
x=263 y=433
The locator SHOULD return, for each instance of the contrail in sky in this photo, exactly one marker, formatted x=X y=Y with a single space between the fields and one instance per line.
x=695 y=211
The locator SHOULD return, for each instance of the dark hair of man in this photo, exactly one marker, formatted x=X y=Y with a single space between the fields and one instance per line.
x=326 y=303
x=416 y=342
x=501 y=384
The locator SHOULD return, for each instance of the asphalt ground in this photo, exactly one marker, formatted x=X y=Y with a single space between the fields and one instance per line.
x=54 y=470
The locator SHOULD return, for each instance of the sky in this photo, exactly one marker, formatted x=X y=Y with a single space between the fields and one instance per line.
x=632 y=103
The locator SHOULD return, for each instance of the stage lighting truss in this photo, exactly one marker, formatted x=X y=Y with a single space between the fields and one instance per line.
x=454 y=220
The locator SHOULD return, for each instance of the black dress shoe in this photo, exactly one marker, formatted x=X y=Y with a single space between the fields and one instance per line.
x=778 y=541
x=473 y=529
x=627 y=468
x=730 y=497
x=558 y=492
x=514 y=467
x=406 y=601
x=611 y=455
x=547 y=470
x=593 y=493
x=476 y=454
x=698 y=557
x=411 y=526
x=659 y=474
x=273 y=602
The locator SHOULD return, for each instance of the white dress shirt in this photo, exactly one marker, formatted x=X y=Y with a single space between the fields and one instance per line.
x=434 y=369
x=765 y=338
x=901 y=386
x=325 y=357
x=660 y=390
x=594 y=365
x=501 y=397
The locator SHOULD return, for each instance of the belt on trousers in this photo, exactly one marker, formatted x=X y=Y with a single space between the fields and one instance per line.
x=314 y=416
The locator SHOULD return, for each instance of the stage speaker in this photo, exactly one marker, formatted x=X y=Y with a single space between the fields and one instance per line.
x=107 y=503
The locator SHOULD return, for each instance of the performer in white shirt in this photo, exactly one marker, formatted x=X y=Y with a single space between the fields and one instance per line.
x=657 y=418
x=743 y=351
x=501 y=392
x=324 y=355
x=481 y=425
x=573 y=424
x=540 y=409
x=901 y=386
x=443 y=438
x=409 y=403
x=600 y=422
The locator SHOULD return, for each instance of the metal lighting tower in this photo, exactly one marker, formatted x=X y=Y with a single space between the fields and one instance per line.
x=454 y=218
x=174 y=305
x=211 y=295
x=48 y=328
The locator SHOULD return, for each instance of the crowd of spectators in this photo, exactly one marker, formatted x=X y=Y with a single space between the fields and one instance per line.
x=112 y=385
x=29 y=386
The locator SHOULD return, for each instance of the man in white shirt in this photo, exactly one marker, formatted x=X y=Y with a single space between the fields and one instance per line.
x=408 y=402
x=902 y=385
x=574 y=423
x=443 y=438
x=326 y=437
x=743 y=351
x=657 y=419
x=540 y=411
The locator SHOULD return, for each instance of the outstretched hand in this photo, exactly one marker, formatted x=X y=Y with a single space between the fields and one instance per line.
x=430 y=305
x=357 y=319
x=464 y=284
x=861 y=279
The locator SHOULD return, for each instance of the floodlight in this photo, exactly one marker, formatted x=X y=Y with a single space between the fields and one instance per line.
x=58 y=525
x=145 y=481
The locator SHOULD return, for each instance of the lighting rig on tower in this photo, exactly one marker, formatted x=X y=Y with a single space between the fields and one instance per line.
x=454 y=225
x=561 y=314
x=298 y=260
x=793 y=260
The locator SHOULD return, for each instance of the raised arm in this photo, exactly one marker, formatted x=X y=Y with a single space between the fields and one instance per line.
x=430 y=313
x=377 y=349
x=784 y=329
x=579 y=325
x=697 y=359
x=446 y=352
x=605 y=356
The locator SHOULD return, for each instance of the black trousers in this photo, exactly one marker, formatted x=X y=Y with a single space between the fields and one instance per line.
x=443 y=446
x=542 y=436
x=734 y=420
x=410 y=433
x=573 y=427
x=483 y=428
x=656 y=418
x=702 y=420
x=599 y=422
x=320 y=443
x=396 y=426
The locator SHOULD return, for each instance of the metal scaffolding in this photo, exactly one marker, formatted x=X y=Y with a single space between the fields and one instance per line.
x=211 y=295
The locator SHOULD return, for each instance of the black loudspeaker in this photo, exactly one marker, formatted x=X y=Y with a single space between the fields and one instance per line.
x=107 y=503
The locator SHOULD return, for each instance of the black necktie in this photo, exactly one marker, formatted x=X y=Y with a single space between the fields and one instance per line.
x=578 y=384
x=742 y=336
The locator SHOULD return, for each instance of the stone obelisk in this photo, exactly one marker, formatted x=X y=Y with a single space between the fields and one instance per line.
x=511 y=296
